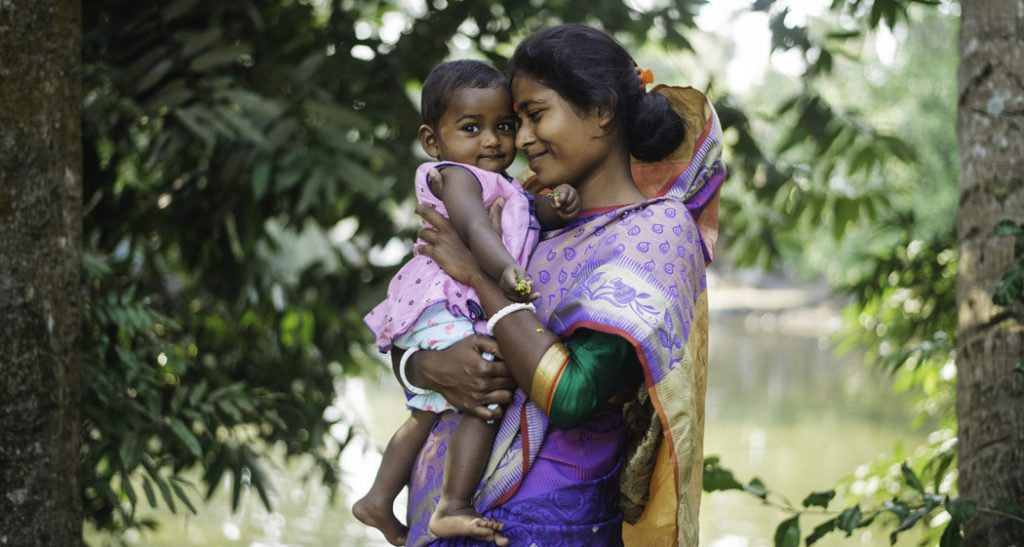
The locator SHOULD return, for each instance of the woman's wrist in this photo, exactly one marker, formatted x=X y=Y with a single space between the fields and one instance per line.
x=413 y=370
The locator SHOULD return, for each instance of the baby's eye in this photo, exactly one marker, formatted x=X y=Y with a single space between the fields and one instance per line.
x=471 y=128
x=507 y=126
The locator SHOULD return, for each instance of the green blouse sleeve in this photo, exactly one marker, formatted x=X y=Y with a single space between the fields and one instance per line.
x=601 y=365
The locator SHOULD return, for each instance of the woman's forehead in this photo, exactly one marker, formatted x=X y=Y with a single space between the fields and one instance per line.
x=527 y=90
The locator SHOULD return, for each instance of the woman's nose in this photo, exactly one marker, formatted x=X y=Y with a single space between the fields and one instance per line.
x=524 y=138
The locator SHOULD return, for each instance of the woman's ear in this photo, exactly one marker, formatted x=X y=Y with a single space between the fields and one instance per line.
x=600 y=118
x=428 y=141
x=604 y=115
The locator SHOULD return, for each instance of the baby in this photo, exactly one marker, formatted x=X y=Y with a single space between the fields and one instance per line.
x=469 y=126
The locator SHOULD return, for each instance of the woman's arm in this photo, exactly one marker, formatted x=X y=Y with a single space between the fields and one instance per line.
x=522 y=337
x=459 y=373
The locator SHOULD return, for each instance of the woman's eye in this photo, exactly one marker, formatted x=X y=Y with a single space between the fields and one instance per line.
x=534 y=115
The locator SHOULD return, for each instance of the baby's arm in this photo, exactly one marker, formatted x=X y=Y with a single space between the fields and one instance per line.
x=463 y=198
x=557 y=208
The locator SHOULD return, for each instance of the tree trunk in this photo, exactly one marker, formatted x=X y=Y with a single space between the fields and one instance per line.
x=990 y=339
x=40 y=264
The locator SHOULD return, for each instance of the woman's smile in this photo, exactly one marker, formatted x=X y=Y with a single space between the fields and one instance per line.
x=534 y=159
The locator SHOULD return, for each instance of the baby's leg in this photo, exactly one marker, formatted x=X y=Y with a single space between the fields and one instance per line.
x=464 y=464
x=376 y=507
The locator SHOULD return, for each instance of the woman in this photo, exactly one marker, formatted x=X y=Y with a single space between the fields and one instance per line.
x=607 y=420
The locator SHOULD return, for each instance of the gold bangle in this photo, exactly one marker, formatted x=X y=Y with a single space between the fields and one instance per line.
x=548 y=373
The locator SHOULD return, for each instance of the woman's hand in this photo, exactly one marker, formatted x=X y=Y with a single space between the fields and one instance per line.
x=465 y=378
x=443 y=245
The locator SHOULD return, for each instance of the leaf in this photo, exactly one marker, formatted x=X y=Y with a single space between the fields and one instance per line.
x=129 y=451
x=1006 y=228
x=821 y=530
x=165 y=491
x=323 y=112
x=757 y=488
x=849 y=519
x=216 y=470
x=236 y=487
x=843 y=35
x=129 y=490
x=243 y=126
x=1011 y=287
x=259 y=479
x=912 y=519
x=192 y=123
x=219 y=56
x=194 y=42
x=154 y=75
x=788 y=533
x=1007 y=506
x=177 y=9
x=897 y=507
x=960 y=509
x=268 y=109
x=911 y=478
x=945 y=461
x=260 y=179
x=951 y=535
x=147 y=487
x=819 y=498
x=181 y=495
x=717 y=477
x=186 y=436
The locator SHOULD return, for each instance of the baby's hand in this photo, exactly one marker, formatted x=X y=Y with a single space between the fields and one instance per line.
x=566 y=200
x=515 y=284
x=436 y=179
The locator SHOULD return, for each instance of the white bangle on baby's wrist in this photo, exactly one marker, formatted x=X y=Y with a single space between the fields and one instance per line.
x=406 y=384
x=511 y=308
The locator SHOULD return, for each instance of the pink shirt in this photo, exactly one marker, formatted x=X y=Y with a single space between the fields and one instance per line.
x=421 y=282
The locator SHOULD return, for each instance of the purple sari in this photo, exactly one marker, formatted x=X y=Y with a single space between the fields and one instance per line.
x=638 y=272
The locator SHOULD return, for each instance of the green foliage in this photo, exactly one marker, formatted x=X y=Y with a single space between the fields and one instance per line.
x=917 y=502
x=879 y=205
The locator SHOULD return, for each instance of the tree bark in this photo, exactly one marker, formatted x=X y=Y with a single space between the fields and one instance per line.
x=990 y=339
x=40 y=264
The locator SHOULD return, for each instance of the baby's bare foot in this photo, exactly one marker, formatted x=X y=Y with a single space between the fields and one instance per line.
x=379 y=515
x=455 y=519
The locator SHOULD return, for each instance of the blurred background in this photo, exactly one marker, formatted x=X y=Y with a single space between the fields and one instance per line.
x=248 y=169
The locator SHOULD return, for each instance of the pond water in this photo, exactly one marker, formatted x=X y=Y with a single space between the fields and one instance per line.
x=780 y=406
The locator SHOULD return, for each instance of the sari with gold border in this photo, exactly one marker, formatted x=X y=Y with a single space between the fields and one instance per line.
x=638 y=272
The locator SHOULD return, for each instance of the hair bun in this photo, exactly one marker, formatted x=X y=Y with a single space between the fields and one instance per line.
x=655 y=129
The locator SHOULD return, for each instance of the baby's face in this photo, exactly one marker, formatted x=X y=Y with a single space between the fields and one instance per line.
x=478 y=128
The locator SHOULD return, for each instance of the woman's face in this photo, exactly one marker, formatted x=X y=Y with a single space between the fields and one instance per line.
x=563 y=144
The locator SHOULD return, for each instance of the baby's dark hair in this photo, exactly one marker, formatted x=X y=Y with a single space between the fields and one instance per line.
x=589 y=68
x=451 y=76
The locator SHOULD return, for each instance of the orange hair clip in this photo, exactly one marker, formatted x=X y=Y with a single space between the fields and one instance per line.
x=646 y=76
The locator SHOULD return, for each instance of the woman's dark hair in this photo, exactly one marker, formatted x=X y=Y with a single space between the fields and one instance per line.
x=451 y=76
x=589 y=68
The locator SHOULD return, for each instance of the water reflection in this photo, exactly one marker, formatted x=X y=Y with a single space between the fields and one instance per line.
x=780 y=406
